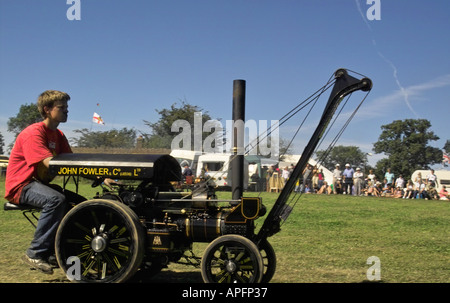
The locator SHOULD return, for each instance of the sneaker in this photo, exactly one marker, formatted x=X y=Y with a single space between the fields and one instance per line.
x=38 y=264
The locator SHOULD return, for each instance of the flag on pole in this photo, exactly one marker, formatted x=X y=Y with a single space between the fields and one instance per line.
x=445 y=159
x=97 y=119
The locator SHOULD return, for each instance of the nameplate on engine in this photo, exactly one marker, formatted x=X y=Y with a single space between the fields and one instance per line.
x=116 y=166
x=101 y=171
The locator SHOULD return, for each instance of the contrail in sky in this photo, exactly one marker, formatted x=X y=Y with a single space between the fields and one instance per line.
x=394 y=68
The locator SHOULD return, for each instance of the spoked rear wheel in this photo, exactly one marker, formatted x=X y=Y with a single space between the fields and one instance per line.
x=232 y=259
x=269 y=260
x=106 y=238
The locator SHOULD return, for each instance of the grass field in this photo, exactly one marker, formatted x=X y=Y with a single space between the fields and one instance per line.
x=326 y=239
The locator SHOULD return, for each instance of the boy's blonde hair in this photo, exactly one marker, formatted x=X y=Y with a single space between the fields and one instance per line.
x=48 y=98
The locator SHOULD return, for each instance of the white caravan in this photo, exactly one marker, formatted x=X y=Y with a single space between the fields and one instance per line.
x=293 y=159
x=188 y=157
x=218 y=167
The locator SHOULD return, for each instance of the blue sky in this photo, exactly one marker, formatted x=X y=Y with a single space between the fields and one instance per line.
x=133 y=57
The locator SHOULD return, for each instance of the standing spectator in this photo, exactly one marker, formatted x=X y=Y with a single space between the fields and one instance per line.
x=419 y=176
x=187 y=174
x=285 y=174
x=432 y=179
x=315 y=180
x=291 y=169
x=348 y=179
x=268 y=176
x=307 y=175
x=400 y=182
x=187 y=171
x=336 y=178
x=371 y=175
x=263 y=178
x=321 y=178
x=389 y=176
x=359 y=181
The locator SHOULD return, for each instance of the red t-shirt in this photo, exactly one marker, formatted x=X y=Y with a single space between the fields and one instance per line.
x=34 y=144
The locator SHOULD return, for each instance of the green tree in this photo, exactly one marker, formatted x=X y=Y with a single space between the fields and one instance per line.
x=28 y=114
x=284 y=147
x=161 y=134
x=342 y=155
x=405 y=142
x=447 y=146
x=124 y=138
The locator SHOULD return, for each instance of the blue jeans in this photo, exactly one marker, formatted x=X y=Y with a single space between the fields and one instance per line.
x=54 y=204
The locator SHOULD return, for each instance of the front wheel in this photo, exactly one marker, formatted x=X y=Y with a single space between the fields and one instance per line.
x=232 y=259
x=269 y=260
x=105 y=237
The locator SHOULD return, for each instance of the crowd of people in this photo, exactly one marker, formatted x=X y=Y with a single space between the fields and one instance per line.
x=354 y=182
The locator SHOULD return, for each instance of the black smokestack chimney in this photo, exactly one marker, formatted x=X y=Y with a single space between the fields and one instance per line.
x=237 y=164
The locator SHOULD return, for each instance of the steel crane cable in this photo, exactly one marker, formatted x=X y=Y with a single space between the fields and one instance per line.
x=296 y=197
x=312 y=98
x=290 y=114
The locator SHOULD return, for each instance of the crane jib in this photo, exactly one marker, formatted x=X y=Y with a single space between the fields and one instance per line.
x=343 y=86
